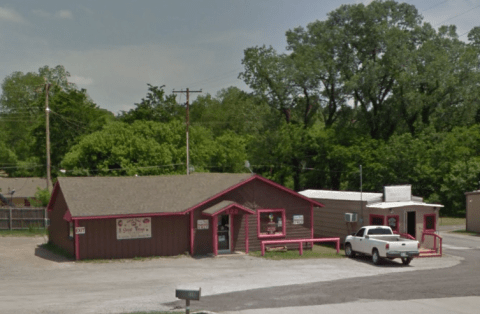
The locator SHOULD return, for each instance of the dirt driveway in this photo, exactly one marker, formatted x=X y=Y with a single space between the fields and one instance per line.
x=35 y=281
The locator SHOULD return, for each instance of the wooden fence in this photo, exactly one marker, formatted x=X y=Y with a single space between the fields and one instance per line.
x=14 y=218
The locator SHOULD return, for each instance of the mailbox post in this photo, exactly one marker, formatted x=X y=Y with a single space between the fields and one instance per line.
x=187 y=295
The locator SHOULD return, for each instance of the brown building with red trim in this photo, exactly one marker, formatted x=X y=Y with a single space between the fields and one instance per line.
x=203 y=213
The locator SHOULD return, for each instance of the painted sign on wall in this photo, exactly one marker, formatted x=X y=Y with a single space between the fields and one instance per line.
x=202 y=224
x=134 y=228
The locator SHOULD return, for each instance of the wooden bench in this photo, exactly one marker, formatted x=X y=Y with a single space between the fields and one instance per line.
x=300 y=243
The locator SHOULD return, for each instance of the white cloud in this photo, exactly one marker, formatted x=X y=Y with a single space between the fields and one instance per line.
x=80 y=80
x=10 y=15
x=41 y=13
x=64 y=14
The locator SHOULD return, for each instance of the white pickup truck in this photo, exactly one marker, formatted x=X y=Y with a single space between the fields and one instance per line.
x=380 y=242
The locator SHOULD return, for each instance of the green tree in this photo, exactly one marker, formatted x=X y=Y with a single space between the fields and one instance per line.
x=156 y=106
x=230 y=110
x=153 y=148
x=72 y=115
x=22 y=109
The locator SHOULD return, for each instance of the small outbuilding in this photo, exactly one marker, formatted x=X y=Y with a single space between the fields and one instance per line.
x=345 y=212
x=199 y=214
x=473 y=211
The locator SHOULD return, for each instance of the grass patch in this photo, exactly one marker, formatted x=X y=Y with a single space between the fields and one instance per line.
x=451 y=221
x=56 y=250
x=30 y=232
x=467 y=232
x=318 y=251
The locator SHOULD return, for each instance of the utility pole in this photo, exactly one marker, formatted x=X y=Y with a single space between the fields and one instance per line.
x=187 y=91
x=47 y=116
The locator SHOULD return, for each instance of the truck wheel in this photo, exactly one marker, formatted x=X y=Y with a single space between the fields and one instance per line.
x=375 y=257
x=348 y=251
x=406 y=260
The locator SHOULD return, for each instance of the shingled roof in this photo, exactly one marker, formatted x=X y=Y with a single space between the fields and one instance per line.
x=107 y=196
x=24 y=187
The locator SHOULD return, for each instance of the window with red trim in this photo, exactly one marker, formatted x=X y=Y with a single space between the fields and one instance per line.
x=393 y=222
x=377 y=220
x=429 y=222
x=271 y=223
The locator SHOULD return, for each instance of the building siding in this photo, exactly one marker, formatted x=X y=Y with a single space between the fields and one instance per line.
x=58 y=231
x=169 y=238
x=473 y=212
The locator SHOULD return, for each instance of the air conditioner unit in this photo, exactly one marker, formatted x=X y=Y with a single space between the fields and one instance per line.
x=350 y=217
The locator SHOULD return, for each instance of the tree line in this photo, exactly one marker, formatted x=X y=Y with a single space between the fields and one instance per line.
x=371 y=85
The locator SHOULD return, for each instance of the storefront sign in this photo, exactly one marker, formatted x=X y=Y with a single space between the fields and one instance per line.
x=399 y=193
x=202 y=224
x=134 y=228
x=297 y=219
x=80 y=230
x=231 y=211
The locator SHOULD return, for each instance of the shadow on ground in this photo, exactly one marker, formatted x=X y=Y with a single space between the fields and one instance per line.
x=46 y=254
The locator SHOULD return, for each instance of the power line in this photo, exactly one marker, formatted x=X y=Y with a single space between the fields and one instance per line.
x=460 y=14
x=434 y=6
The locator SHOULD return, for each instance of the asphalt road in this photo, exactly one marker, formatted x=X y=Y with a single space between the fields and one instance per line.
x=458 y=281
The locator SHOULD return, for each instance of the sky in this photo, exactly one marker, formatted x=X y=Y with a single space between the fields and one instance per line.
x=114 y=48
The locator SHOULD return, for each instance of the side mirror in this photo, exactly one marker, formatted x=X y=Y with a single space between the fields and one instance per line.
x=367 y=237
x=353 y=234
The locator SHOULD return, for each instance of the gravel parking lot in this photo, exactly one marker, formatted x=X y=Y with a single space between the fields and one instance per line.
x=36 y=281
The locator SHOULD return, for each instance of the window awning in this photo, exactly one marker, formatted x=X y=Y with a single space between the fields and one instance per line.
x=227 y=207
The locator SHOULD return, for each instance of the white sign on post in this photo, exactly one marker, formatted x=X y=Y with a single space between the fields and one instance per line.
x=297 y=220
x=202 y=224
x=134 y=228
x=80 y=230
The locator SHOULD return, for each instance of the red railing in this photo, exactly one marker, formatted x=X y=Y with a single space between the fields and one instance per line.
x=435 y=237
x=407 y=236
x=300 y=242
x=433 y=252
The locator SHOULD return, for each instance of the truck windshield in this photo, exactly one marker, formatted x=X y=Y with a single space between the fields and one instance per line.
x=379 y=231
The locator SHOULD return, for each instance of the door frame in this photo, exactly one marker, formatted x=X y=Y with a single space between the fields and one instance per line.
x=229 y=250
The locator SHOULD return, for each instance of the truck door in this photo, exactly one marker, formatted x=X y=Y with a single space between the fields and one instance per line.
x=358 y=239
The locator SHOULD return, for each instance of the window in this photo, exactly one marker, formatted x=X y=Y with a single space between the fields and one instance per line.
x=393 y=222
x=429 y=222
x=379 y=231
x=360 y=232
x=26 y=203
x=376 y=220
x=271 y=223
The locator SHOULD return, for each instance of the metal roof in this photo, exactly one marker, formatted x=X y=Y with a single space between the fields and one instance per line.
x=105 y=196
x=342 y=195
x=383 y=205
x=24 y=187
